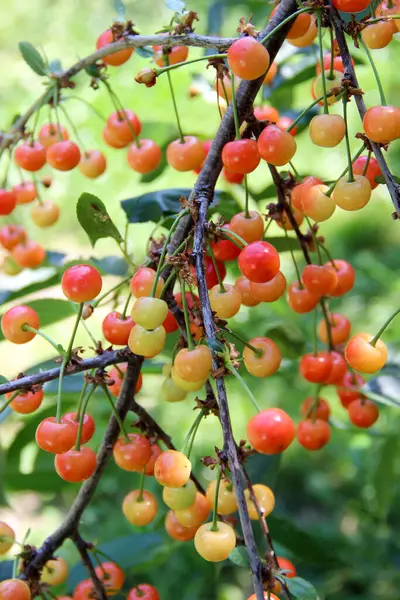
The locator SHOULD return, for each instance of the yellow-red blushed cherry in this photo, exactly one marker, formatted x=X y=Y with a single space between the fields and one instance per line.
x=248 y=59
x=227 y=502
x=144 y=158
x=320 y=279
x=267 y=596
x=193 y=365
x=10 y=266
x=172 y=469
x=13 y=320
x=282 y=219
x=149 y=312
x=364 y=357
x=30 y=156
x=55 y=437
x=143 y=591
x=55 y=571
x=29 y=254
x=338 y=370
x=340 y=327
x=269 y=360
x=346 y=277
x=14 y=589
x=317 y=89
x=8 y=535
x=275 y=146
x=132 y=454
x=117 y=375
x=93 y=163
x=363 y=413
x=146 y=342
x=183 y=384
x=51 y=133
x=116 y=329
x=241 y=156
x=265 y=499
x=300 y=299
x=81 y=283
x=337 y=63
x=63 y=156
x=327 y=130
x=308 y=38
x=170 y=392
x=88 y=425
x=155 y=453
x=313 y=434
x=176 y=530
x=110 y=136
x=174 y=55
x=215 y=546
x=142 y=283
x=8 y=201
x=180 y=498
x=25 y=192
x=377 y=35
x=26 y=402
x=316 y=367
x=373 y=169
x=242 y=284
x=225 y=302
x=270 y=431
x=297 y=193
x=250 y=227
x=196 y=514
x=287 y=566
x=259 y=262
x=45 y=214
x=116 y=58
x=111 y=576
x=382 y=124
x=141 y=511
x=352 y=195
x=187 y=155
x=316 y=204
x=315 y=408
x=266 y=113
x=270 y=291
x=76 y=465
x=300 y=26
x=125 y=125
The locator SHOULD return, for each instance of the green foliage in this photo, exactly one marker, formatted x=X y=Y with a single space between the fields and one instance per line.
x=32 y=58
x=239 y=557
x=95 y=220
x=301 y=589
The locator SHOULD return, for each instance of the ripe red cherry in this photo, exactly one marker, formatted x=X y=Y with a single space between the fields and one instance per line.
x=26 y=403
x=320 y=279
x=300 y=299
x=346 y=276
x=123 y=125
x=266 y=113
x=286 y=565
x=8 y=201
x=110 y=136
x=88 y=427
x=142 y=283
x=55 y=437
x=132 y=455
x=143 y=591
x=144 y=158
x=232 y=177
x=176 y=530
x=170 y=323
x=117 y=58
x=155 y=453
x=363 y=413
x=116 y=329
x=363 y=356
x=373 y=169
x=248 y=59
x=241 y=156
x=270 y=291
x=76 y=465
x=337 y=63
x=174 y=55
x=29 y=254
x=93 y=163
x=64 y=156
x=211 y=274
x=81 y=283
x=30 y=156
x=11 y=235
x=187 y=155
x=111 y=576
x=223 y=249
x=14 y=589
x=267 y=596
x=284 y=122
x=51 y=133
x=338 y=370
x=298 y=192
x=382 y=124
x=259 y=262
x=321 y=410
x=25 y=192
x=267 y=363
x=340 y=329
x=275 y=146
x=13 y=320
x=313 y=435
x=349 y=388
x=250 y=227
x=84 y=590
x=316 y=367
x=271 y=431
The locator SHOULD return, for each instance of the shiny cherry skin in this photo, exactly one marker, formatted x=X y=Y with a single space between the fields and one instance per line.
x=340 y=329
x=215 y=546
x=352 y=195
x=30 y=156
x=88 y=426
x=8 y=201
x=45 y=214
x=25 y=192
x=187 y=386
x=125 y=125
x=316 y=204
x=81 y=283
x=117 y=375
x=265 y=500
x=29 y=254
x=248 y=59
x=363 y=413
x=172 y=469
x=317 y=89
x=196 y=514
x=284 y=122
x=346 y=277
x=55 y=571
x=316 y=367
x=223 y=249
x=64 y=156
x=144 y=158
x=338 y=370
x=265 y=365
x=337 y=63
x=177 y=531
x=76 y=465
x=142 y=283
x=149 y=312
x=382 y=124
x=143 y=591
x=266 y=113
x=54 y=437
x=175 y=55
x=271 y=431
x=6 y=532
x=225 y=302
x=259 y=262
x=298 y=192
x=349 y=388
x=145 y=342
x=170 y=392
x=227 y=502
x=193 y=365
x=50 y=133
x=170 y=324
x=271 y=74
x=250 y=227
x=117 y=58
x=320 y=279
x=132 y=455
x=13 y=320
x=275 y=146
x=12 y=235
x=14 y=589
x=93 y=163
x=283 y=221
x=373 y=169
x=84 y=590
x=116 y=329
x=364 y=357
x=241 y=156
x=187 y=155
x=327 y=130
x=315 y=408
x=267 y=596
x=139 y=512
x=26 y=403
x=232 y=177
x=300 y=299
x=243 y=286
x=110 y=136
x=270 y=291
x=313 y=435
x=308 y=38
x=300 y=26
x=10 y=267
x=155 y=453
x=377 y=35
x=287 y=566
x=180 y=498
x=111 y=575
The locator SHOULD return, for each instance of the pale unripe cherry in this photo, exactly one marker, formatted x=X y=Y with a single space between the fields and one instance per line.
x=196 y=514
x=225 y=302
x=327 y=130
x=188 y=386
x=352 y=195
x=193 y=365
x=317 y=88
x=215 y=546
x=142 y=511
x=55 y=571
x=377 y=35
x=9 y=534
x=362 y=356
x=147 y=343
x=269 y=291
x=180 y=498
x=265 y=499
x=227 y=503
x=45 y=214
x=149 y=312
x=317 y=205
x=170 y=392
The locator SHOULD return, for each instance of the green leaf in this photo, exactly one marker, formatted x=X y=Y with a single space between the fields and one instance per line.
x=175 y=5
x=386 y=474
x=288 y=337
x=95 y=220
x=50 y=310
x=32 y=58
x=144 y=52
x=239 y=557
x=301 y=589
x=267 y=192
x=284 y=244
x=381 y=179
x=385 y=388
x=55 y=65
x=3 y=379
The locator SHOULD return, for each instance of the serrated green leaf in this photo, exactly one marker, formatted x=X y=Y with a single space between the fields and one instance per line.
x=239 y=557
x=175 y=5
x=95 y=220
x=32 y=58
x=301 y=589
x=50 y=310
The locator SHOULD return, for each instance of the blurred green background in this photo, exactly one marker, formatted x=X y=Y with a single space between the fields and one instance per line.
x=336 y=511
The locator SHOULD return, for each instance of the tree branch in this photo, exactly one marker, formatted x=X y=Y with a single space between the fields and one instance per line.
x=82 y=548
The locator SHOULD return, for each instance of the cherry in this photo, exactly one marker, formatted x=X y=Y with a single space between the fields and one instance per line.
x=298 y=192
x=88 y=426
x=243 y=286
x=29 y=254
x=116 y=329
x=317 y=88
x=55 y=437
x=117 y=375
x=275 y=146
x=8 y=201
x=316 y=204
x=373 y=169
x=287 y=566
x=84 y=590
x=352 y=195
x=171 y=392
x=45 y=214
x=149 y=312
x=338 y=370
x=25 y=192
x=227 y=84
x=259 y=262
x=340 y=329
x=93 y=163
x=267 y=596
x=124 y=124
x=142 y=283
x=313 y=435
x=155 y=453
x=175 y=55
x=146 y=157
x=51 y=133
x=300 y=26
x=187 y=386
x=382 y=124
x=363 y=356
x=76 y=465
x=349 y=388
x=117 y=58
x=337 y=63
x=363 y=413
x=192 y=300
x=187 y=155
x=250 y=227
x=64 y=156
x=180 y=498
x=284 y=122
x=327 y=130
x=320 y=279
x=271 y=74
x=196 y=514
x=241 y=156
x=147 y=343
x=227 y=502
x=225 y=303
x=300 y=299
x=132 y=455
x=308 y=38
x=320 y=410
x=30 y=156
x=139 y=512
x=346 y=276
x=111 y=576
x=215 y=545
x=265 y=500
x=172 y=469
x=282 y=220
x=232 y=177
x=26 y=402
x=6 y=532
x=143 y=591
x=316 y=367
x=193 y=365
x=14 y=589
x=176 y=530
x=266 y=113
x=13 y=320
x=271 y=431
x=266 y=364
x=223 y=249
x=10 y=267
x=111 y=138
x=248 y=59
x=270 y=291
x=170 y=324
x=377 y=35
x=54 y=572
x=211 y=274
x=11 y=235
x=81 y=283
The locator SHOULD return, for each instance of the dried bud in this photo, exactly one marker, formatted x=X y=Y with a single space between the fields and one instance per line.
x=87 y=311
x=147 y=76
x=47 y=181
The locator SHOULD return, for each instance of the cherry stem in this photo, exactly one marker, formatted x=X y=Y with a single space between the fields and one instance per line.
x=141 y=486
x=234 y=107
x=244 y=385
x=125 y=310
x=367 y=163
x=314 y=407
x=283 y=23
x=110 y=291
x=8 y=402
x=343 y=173
x=386 y=17
x=228 y=234
x=332 y=61
x=35 y=124
x=296 y=174
x=115 y=413
x=305 y=111
x=57 y=347
x=257 y=351
x=81 y=396
x=186 y=315
x=55 y=105
x=120 y=109
x=384 y=326
x=181 y=246
x=35 y=182
x=246 y=205
x=168 y=281
x=178 y=122
x=321 y=57
x=375 y=70
x=324 y=308
x=169 y=67
x=74 y=129
x=189 y=440
x=316 y=243
x=292 y=255
x=346 y=136
x=67 y=356
x=225 y=92
x=15 y=567
x=214 y=526
x=82 y=418
x=329 y=255
x=218 y=274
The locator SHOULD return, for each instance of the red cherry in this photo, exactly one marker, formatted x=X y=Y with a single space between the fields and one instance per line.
x=337 y=63
x=275 y=146
x=271 y=431
x=299 y=191
x=340 y=329
x=93 y=163
x=248 y=59
x=300 y=26
x=110 y=136
x=316 y=204
x=373 y=169
x=14 y=589
x=88 y=427
x=12 y=235
x=320 y=280
x=269 y=291
x=81 y=283
x=172 y=469
x=286 y=565
x=259 y=262
x=55 y=437
x=13 y=320
x=30 y=156
x=124 y=124
x=192 y=300
x=176 y=530
x=64 y=156
x=308 y=38
x=174 y=55
x=346 y=277
x=313 y=435
x=321 y=410
x=243 y=286
x=266 y=113
x=187 y=155
x=300 y=299
x=142 y=283
x=211 y=274
x=241 y=156
x=170 y=324
x=232 y=177
x=29 y=254
x=284 y=122
x=316 y=367
x=84 y=590
x=132 y=455
x=117 y=58
x=349 y=388
x=117 y=375
x=51 y=133
x=26 y=403
x=8 y=201
x=143 y=591
x=111 y=576
x=155 y=453
x=382 y=124
x=25 y=192
x=363 y=413
x=144 y=158
x=338 y=370
x=116 y=329
x=76 y=465
x=223 y=249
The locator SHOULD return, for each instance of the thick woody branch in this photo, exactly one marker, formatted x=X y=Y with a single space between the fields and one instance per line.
x=82 y=548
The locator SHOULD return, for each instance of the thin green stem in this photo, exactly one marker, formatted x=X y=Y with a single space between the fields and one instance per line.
x=165 y=248
x=321 y=57
x=141 y=486
x=65 y=361
x=329 y=255
x=55 y=105
x=375 y=70
x=214 y=262
x=234 y=106
x=168 y=67
x=315 y=337
x=80 y=401
x=116 y=415
x=15 y=567
x=186 y=315
x=293 y=257
x=244 y=385
x=168 y=281
x=332 y=187
x=125 y=310
x=228 y=234
x=305 y=111
x=178 y=122
x=283 y=23
x=367 y=163
x=328 y=324
x=57 y=347
x=74 y=129
x=214 y=526
x=82 y=417
x=384 y=326
x=189 y=440
x=8 y=402
x=348 y=149
x=332 y=61
x=181 y=246
x=314 y=407
x=296 y=174
x=257 y=351
x=246 y=203
x=36 y=183
x=110 y=291
x=121 y=110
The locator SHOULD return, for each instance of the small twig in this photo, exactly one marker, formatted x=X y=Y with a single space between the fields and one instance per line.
x=82 y=548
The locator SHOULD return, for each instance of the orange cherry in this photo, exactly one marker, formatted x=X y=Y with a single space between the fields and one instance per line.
x=346 y=277
x=313 y=434
x=269 y=360
x=363 y=413
x=315 y=408
x=340 y=329
x=300 y=299
x=269 y=291
x=363 y=356
x=320 y=279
